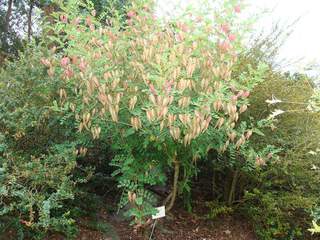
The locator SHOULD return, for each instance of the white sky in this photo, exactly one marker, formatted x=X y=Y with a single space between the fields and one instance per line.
x=303 y=44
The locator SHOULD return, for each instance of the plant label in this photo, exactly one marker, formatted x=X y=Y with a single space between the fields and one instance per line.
x=161 y=212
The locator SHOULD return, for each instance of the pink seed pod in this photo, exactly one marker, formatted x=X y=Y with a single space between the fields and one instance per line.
x=152 y=89
x=64 y=18
x=74 y=59
x=237 y=9
x=88 y=21
x=184 y=27
x=82 y=65
x=65 y=61
x=246 y=94
x=68 y=73
x=76 y=21
x=232 y=37
x=225 y=28
x=240 y=93
x=168 y=87
x=131 y=14
x=224 y=46
x=45 y=62
x=234 y=98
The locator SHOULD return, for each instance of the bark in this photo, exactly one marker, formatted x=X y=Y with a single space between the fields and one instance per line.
x=30 y=20
x=8 y=16
x=173 y=194
x=233 y=187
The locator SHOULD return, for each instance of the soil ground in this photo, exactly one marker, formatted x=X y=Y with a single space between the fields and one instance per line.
x=180 y=225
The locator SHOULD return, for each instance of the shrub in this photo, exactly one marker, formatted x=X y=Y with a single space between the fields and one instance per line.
x=164 y=92
x=290 y=184
x=38 y=167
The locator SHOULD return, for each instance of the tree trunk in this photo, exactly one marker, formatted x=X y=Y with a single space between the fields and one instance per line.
x=7 y=24
x=173 y=194
x=30 y=20
x=233 y=187
x=8 y=16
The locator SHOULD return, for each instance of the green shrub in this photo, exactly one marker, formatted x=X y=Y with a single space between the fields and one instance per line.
x=34 y=190
x=164 y=92
x=39 y=174
x=284 y=194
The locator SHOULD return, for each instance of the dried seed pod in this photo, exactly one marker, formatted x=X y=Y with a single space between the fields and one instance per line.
x=182 y=85
x=131 y=196
x=184 y=102
x=150 y=115
x=248 y=134
x=153 y=99
x=62 y=94
x=113 y=113
x=171 y=119
x=72 y=107
x=162 y=125
x=187 y=139
x=217 y=85
x=165 y=101
x=204 y=83
x=260 y=161
x=110 y=99
x=243 y=108
x=217 y=105
x=103 y=99
x=50 y=72
x=164 y=112
x=184 y=118
x=176 y=72
x=136 y=122
x=231 y=109
x=175 y=132
x=207 y=123
x=239 y=143
x=106 y=76
x=45 y=62
x=232 y=136
x=83 y=151
x=132 y=102
x=219 y=122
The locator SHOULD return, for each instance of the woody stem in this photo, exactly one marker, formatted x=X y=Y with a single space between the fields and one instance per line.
x=173 y=194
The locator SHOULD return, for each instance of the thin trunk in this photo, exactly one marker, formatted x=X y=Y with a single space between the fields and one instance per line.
x=175 y=184
x=233 y=187
x=8 y=16
x=30 y=20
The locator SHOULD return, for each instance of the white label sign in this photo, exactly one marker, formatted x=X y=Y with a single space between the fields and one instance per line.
x=161 y=212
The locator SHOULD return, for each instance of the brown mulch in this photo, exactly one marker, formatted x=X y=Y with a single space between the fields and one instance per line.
x=185 y=226
x=180 y=225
